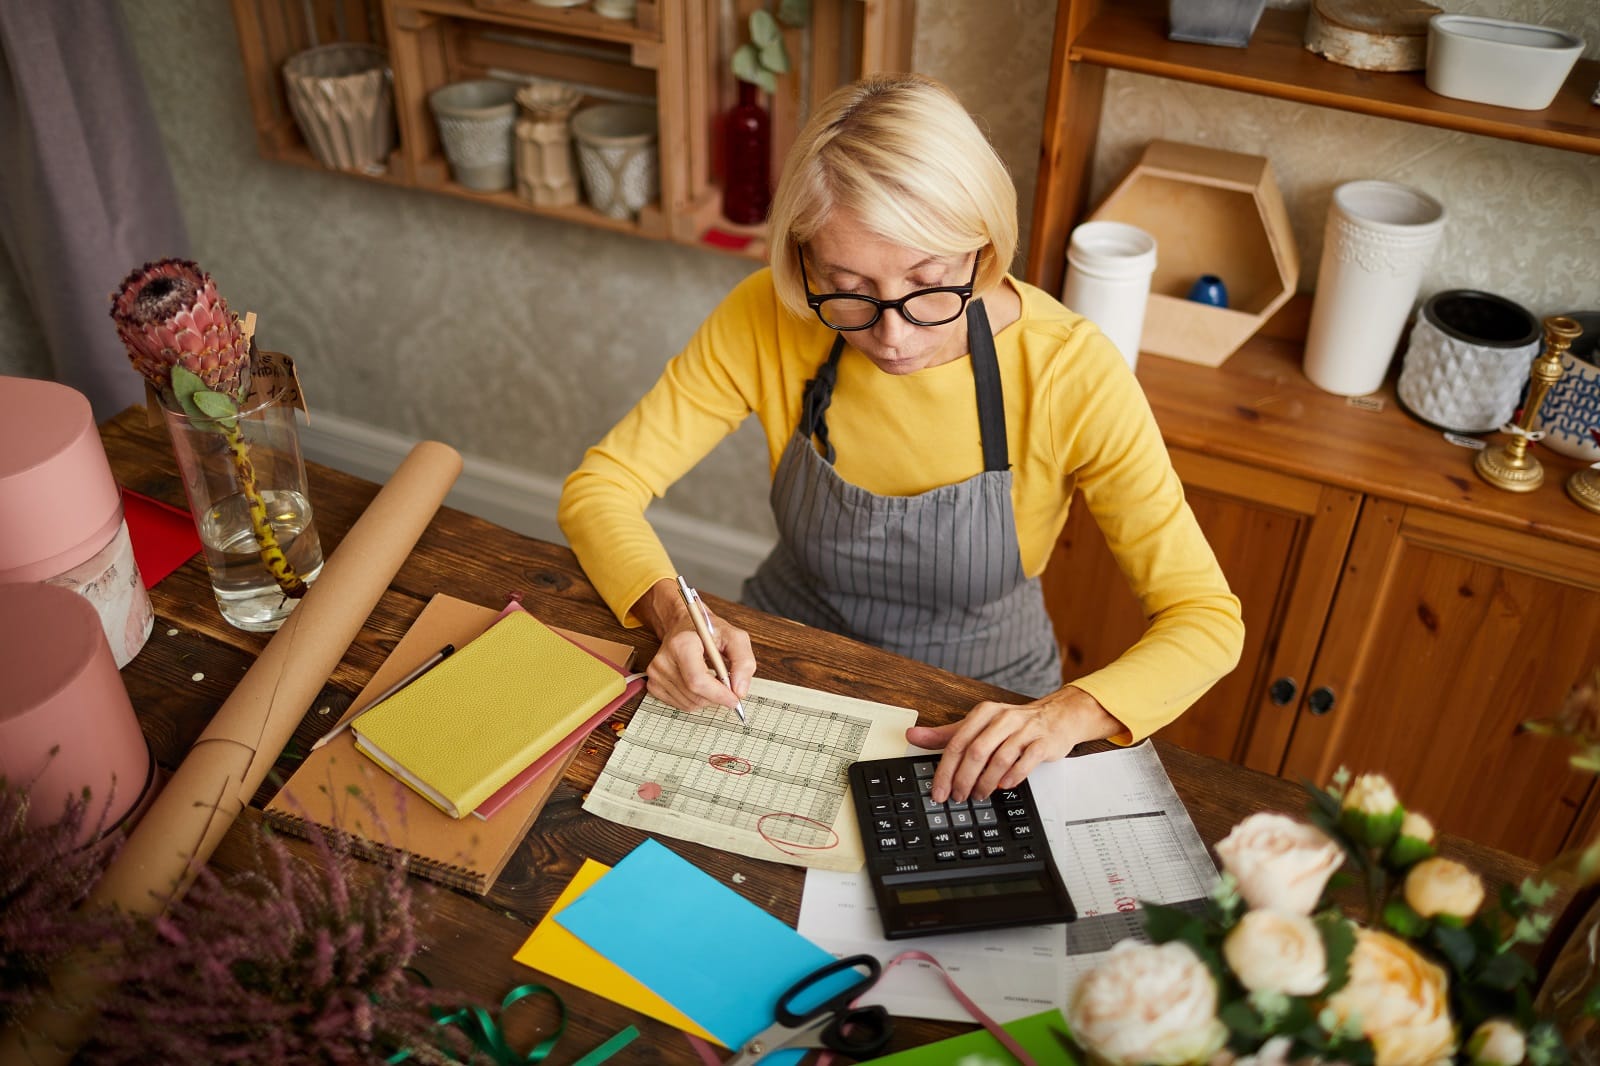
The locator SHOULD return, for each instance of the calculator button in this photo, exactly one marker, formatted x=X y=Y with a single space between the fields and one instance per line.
x=960 y=819
x=987 y=801
x=930 y=804
x=925 y=785
x=945 y=855
x=905 y=805
x=888 y=843
x=883 y=825
x=910 y=821
x=902 y=783
x=922 y=768
x=880 y=806
x=967 y=836
x=913 y=840
x=938 y=820
x=1016 y=812
x=956 y=805
x=877 y=782
x=941 y=838
x=995 y=851
x=985 y=816
x=1010 y=795
x=1022 y=830
x=968 y=854
x=990 y=833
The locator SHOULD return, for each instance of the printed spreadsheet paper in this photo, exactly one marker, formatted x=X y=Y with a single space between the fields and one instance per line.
x=773 y=789
x=1119 y=834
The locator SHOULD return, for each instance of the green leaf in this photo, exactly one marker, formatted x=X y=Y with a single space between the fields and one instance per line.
x=775 y=57
x=1338 y=942
x=1456 y=946
x=794 y=13
x=1507 y=971
x=185 y=383
x=1242 y=1019
x=216 y=404
x=764 y=29
x=1537 y=893
x=746 y=65
x=1398 y=915
x=1163 y=924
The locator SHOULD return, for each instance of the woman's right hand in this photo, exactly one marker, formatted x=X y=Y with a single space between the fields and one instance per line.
x=681 y=673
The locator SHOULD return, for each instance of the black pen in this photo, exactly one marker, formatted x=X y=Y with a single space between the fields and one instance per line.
x=428 y=664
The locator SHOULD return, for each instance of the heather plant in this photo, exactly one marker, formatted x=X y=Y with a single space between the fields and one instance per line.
x=44 y=875
x=292 y=961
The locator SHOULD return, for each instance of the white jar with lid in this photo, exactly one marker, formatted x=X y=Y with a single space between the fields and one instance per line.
x=1109 y=265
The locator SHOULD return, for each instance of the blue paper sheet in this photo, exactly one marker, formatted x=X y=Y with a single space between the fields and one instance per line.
x=698 y=944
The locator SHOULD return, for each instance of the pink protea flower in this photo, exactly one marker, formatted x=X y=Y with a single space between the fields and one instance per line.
x=169 y=313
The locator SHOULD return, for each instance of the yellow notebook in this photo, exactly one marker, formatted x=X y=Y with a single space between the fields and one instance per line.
x=463 y=729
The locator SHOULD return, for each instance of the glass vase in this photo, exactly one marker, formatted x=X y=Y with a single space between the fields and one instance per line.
x=246 y=483
x=747 y=143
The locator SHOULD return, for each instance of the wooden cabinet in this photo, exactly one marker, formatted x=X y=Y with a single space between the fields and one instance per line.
x=1401 y=615
x=673 y=55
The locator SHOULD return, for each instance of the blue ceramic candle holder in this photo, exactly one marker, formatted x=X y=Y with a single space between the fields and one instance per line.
x=1209 y=289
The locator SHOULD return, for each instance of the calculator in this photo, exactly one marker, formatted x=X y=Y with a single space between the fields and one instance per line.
x=953 y=867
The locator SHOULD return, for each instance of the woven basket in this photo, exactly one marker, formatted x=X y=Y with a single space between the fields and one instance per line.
x=343 y=102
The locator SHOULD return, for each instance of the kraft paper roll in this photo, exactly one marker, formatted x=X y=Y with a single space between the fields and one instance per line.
x=233 y=755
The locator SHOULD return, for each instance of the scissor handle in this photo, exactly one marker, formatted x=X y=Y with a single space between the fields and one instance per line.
x=859 y=1032
x=839 y=1002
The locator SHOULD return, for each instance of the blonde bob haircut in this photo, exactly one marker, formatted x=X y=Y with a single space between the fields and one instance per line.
x=900 y=153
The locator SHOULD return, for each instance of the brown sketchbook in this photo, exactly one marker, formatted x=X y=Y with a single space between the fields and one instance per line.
x=342 y=790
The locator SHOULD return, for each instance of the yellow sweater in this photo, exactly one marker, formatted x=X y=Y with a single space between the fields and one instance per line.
x=1075 y=419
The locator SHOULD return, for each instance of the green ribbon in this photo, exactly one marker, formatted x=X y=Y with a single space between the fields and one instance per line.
x=483 y=1029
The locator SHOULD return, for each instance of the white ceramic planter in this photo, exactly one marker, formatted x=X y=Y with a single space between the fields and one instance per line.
x=1109 y=265
x=1379 y=238
x=1495 y=61
x=475 y=120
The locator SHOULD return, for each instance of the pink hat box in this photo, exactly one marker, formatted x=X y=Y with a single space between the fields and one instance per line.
x=66 y=723
x=61 y=512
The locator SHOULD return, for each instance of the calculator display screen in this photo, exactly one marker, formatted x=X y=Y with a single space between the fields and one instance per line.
x=940 y=893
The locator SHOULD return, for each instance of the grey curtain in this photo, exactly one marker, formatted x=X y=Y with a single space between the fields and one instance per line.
x=85 y=191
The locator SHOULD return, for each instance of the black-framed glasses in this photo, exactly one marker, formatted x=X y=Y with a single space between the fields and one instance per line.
x=848 y=311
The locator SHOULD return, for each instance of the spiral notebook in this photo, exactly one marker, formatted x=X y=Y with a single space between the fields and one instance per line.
x=345 y=793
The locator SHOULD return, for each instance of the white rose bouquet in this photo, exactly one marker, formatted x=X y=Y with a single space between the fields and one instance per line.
x=1274 y=973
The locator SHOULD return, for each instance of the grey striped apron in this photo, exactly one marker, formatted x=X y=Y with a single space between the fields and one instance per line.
x=935 y=577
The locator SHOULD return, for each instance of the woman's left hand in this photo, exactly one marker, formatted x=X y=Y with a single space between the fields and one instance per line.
x=998 y=744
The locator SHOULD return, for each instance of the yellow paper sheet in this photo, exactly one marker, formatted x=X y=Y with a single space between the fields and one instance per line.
x=551 y=949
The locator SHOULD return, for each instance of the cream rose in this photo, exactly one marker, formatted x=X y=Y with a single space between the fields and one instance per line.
x=1399 y=1000
x=1280 y=864
x=1436 y=887
x=1148 y=1004
x=1416 y=827
x=1275 y=951
x=1497 y=1042
x=1371 y=794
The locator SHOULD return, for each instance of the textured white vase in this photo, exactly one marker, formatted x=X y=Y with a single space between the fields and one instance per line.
x=1379 y=239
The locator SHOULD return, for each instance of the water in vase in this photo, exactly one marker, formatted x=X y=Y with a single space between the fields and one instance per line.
x=246 y=591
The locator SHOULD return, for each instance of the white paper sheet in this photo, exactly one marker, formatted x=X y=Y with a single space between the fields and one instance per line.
x=1119 y=834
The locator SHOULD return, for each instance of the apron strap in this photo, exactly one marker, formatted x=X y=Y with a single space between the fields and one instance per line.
x=818 y=393
x=991 y=397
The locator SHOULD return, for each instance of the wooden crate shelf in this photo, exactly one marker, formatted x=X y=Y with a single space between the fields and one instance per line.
x=672 y=55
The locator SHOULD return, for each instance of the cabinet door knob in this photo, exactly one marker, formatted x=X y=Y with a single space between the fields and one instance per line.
x=1283 y=691
x=1321 y=700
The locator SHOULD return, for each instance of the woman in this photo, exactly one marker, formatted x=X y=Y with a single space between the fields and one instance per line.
x=927 y=420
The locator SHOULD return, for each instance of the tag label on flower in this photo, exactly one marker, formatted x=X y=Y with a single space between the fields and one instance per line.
x=273 y=373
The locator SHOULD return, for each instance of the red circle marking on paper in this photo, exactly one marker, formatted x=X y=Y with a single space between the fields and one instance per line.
x=785 y=845
x=736 y=765
x=649 y=791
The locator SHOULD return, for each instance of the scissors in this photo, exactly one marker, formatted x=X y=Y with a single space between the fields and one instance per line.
x=859 y=1032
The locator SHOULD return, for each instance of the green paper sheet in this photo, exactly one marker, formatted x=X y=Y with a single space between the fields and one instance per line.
x=1042 y=1035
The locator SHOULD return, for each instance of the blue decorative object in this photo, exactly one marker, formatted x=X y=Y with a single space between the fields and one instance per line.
x=1209 y=289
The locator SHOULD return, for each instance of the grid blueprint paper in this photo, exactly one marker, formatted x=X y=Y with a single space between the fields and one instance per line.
x=774 y=789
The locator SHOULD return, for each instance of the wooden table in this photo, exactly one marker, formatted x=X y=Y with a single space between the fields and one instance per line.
x=470 y=940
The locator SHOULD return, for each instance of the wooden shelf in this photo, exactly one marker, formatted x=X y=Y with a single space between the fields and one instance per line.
x=670 y=54
x=1131 y=36
x=1259 y=408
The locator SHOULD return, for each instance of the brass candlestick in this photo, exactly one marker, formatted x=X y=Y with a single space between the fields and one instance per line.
x=1509 y=466
x=1584 y=488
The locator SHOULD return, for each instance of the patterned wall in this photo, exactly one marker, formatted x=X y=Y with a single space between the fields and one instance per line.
x=522 y=339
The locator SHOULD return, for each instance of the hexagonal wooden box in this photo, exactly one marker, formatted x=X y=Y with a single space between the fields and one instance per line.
x=1211 y=212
